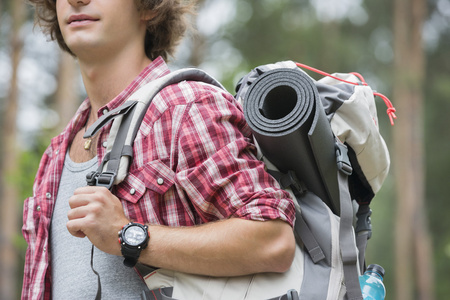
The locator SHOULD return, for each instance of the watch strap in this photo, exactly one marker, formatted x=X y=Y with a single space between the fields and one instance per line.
x=131 y=253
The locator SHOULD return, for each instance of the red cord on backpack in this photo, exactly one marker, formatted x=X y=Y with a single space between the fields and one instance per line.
x=390 y=108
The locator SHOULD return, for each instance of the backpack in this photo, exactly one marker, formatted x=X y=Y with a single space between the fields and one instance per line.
x=320 y=140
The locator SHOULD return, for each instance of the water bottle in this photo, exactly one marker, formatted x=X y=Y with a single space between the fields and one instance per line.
x=371 y=283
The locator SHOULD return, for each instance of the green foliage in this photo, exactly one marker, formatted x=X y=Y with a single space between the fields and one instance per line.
x=23 y=179
x=380 y=247
x=437 y=145
x=28 y=165
x=438 y=162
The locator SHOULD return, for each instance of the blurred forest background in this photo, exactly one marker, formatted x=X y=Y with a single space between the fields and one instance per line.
x=401 y=47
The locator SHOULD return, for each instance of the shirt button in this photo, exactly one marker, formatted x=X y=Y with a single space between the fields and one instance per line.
x=133 y=191
x=160 y=181
x=45 y=248
x=38 y=208
x=48 y=195
x=105 y=111
x=105 y=144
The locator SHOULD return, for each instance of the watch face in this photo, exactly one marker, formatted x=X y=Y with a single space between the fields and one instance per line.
x=134 y=235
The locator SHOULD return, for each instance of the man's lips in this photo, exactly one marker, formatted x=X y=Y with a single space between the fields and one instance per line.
x=81 y=18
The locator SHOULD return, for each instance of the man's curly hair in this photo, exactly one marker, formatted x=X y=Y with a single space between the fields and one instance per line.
x=164 y=31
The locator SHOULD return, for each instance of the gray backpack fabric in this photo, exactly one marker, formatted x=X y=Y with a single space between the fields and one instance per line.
x=278 y=109
x=303 y=129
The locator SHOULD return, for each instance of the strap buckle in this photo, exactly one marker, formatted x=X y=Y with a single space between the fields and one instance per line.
x=289 y=180
x=105 y=179
x=342 y=159
x=364 y=223
x=292 y=295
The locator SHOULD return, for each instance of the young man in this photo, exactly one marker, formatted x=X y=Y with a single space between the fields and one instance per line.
x=194 y=180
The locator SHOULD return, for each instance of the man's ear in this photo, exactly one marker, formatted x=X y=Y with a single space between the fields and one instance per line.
x=147 y=15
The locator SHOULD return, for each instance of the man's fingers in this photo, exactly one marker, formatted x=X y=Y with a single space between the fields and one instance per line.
x=88 y=194
x=74 y=227
x=89 y=190
x=78 y=201
x=77 y=213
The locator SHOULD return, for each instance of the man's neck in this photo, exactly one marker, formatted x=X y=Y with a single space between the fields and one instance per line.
x=105 y=79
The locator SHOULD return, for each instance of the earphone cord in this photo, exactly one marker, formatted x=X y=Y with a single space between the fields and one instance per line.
x=99 y=286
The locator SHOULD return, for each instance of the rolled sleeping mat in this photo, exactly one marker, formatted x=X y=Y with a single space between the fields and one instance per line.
x=285 y=113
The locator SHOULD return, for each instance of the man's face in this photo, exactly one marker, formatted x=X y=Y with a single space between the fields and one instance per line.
x=99 y=27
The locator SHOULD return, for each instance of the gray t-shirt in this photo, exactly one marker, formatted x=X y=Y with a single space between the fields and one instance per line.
x=72 y=276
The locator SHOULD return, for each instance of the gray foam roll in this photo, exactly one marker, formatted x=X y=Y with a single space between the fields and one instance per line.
x=285 y=113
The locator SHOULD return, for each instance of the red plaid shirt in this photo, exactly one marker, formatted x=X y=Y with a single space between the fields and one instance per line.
x=193 y=163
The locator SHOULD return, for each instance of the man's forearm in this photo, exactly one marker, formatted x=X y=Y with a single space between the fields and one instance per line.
x=230 y=247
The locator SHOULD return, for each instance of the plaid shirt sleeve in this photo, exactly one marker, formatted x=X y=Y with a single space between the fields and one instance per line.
x=216 y=167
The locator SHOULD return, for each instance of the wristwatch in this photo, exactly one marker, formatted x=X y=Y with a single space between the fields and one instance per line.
x=133 y=238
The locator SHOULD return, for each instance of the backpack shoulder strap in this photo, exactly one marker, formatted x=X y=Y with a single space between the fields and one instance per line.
x=127 y=120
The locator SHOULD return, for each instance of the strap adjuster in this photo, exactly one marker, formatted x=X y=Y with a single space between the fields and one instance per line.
x=289 y=180
x=105 y=179
x=342 y=159
x=364 y=223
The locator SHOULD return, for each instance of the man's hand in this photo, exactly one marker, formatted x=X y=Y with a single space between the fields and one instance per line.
x=98 y=214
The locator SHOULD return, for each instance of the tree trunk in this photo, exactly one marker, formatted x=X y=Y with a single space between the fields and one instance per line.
x=1 y=14
x=10 y=208
x=414 y=276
